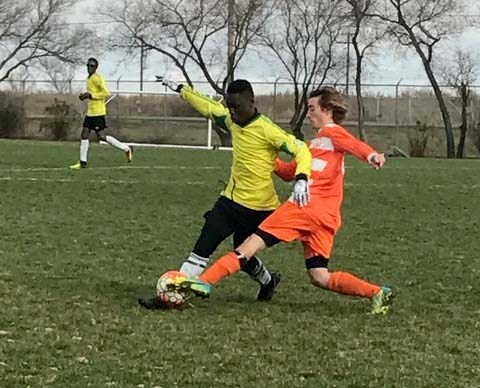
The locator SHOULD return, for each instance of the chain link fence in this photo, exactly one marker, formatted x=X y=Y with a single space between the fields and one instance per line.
x=394 y=113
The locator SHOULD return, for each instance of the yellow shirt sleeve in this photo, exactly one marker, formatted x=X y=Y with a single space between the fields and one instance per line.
x=292 y=146
x=207 y=107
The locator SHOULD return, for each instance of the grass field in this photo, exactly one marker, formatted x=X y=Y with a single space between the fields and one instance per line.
x=78 y=248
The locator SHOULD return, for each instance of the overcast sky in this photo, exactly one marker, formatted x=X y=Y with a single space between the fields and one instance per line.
x=388 y=67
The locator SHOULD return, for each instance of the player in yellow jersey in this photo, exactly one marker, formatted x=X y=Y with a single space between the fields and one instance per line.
x=250 y=195
x=96 y=94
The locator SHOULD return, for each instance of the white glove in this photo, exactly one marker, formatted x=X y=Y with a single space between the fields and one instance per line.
x=172 y=85
x=301 y=193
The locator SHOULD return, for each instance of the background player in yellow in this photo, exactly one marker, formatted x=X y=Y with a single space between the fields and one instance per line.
x=250 y=195
x=96 y=94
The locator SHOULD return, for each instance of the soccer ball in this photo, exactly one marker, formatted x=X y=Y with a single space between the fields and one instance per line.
x=173 y=298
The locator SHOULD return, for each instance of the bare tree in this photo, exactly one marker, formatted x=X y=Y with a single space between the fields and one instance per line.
x=302 y=37
x=34 y=29
x=422 y=24
x=460 y=72
x=59 y=73
x=365 y=35
x=193 y=35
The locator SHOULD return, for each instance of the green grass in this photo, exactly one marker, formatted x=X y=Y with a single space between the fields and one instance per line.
x=77 y=248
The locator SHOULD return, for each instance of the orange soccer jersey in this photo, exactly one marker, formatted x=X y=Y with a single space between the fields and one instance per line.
x=316 y=224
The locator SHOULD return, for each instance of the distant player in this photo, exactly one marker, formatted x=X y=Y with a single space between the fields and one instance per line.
x=316 y=223
x=250 y=195
x=96 y=94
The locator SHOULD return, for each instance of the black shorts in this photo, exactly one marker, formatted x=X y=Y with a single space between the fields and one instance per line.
x=224 y=219
x=95 y=123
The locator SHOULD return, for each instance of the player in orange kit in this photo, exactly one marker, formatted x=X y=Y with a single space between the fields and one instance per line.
x=316 y=222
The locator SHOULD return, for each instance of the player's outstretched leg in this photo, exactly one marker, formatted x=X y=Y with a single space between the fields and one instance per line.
x=348 y=284
x=121 y=146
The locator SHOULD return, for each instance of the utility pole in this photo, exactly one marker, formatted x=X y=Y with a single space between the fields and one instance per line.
x=348 y=64
x=230 y=40
x=142 y=57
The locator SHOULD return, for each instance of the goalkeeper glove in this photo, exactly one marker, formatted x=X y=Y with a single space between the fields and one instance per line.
x=172 y=85
x=301 y=193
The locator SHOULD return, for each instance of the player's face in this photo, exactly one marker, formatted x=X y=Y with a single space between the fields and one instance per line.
x=91 y=67
x=317 y=115
x=241 y=107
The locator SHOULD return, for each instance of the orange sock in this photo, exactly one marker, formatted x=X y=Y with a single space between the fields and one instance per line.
x=225 y=266
x=348 y=284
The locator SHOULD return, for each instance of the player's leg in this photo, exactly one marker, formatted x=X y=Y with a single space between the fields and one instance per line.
x=218 y=225
x=84 y=144
x=101 y=125
x=255 y=268
x=273 y=229
x=216 y=228
x=318 y=248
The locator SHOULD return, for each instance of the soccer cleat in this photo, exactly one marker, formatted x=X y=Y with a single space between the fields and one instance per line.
x=153 y=303
x=195 y=285
x=78 y=166
x=129 y=154
x=382 y=301
x=266 y=292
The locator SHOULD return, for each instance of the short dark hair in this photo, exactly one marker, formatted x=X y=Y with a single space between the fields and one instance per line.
x=92 y=59
x=331 y=98
x=240 y=86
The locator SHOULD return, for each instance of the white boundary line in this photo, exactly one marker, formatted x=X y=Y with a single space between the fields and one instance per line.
x=40 y=169
x=199 y=183
x=107 y=181
x=68 y=180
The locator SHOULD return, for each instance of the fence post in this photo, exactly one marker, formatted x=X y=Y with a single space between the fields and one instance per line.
x=117 y=103
x=165 y=96
x=409 y=110
x=396 y=112
x=209 y=130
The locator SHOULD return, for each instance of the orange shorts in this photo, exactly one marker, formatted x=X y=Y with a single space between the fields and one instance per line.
x=290 y=223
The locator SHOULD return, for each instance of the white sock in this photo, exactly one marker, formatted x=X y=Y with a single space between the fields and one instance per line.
x=117 y=144
x=83 y=150
x=194 y=265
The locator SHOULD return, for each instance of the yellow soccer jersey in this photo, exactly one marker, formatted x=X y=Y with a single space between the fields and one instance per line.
x=97 y=87
x=255 y=147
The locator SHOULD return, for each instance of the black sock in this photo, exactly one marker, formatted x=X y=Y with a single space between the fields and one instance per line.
x=257 y=271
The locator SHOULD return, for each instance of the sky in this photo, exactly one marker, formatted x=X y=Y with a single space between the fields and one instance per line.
x=404 y=67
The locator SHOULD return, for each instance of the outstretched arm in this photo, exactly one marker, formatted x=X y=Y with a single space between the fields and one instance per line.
x=346 y=142
x=207 y=107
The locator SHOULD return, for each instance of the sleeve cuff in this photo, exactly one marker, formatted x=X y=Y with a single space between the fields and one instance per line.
x=301 y=176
